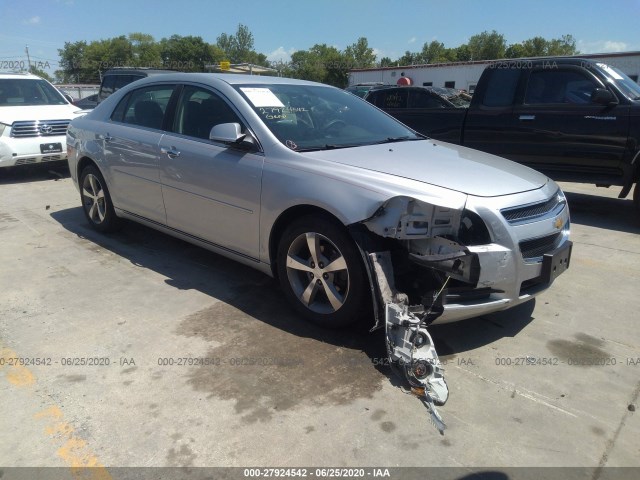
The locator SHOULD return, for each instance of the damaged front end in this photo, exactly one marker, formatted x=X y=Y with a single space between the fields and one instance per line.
x=419 y=246
x=414 y=251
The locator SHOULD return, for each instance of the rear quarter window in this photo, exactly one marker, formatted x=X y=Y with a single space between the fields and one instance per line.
x=501 y=87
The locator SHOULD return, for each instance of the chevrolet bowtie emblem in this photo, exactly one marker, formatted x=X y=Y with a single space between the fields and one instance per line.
x=557 y=223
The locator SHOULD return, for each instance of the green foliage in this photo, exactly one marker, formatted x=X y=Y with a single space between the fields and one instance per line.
x=321 y=63
x=487 y=46
x=188 y=54
x=238 y=48
x=41 y=73
x=386 y=62
x=541 y=47
x=82 y=62
x=71 y=62
x=360 y=54
x=435 y=52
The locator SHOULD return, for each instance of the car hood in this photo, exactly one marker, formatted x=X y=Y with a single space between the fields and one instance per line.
x=8 y=115
x=442 y=164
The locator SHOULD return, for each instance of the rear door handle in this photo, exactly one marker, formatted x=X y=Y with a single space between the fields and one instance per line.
x=525 y=118
x=171 y=152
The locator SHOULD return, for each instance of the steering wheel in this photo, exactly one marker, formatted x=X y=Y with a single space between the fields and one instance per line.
x=336 y=123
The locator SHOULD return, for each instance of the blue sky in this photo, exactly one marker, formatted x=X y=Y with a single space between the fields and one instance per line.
x=280 y=27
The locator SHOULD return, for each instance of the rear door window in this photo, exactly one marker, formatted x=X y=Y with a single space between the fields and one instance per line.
x=145 y=107
x=501 y=87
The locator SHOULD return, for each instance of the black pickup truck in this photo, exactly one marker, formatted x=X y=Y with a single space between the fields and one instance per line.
x=574 y=119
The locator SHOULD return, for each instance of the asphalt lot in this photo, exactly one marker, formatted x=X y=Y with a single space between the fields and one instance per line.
x=137 y=301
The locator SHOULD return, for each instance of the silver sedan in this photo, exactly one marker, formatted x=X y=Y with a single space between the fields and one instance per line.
x=351 y=210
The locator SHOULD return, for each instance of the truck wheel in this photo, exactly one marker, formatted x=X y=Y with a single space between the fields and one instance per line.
x=321 y=272
x=96 y=201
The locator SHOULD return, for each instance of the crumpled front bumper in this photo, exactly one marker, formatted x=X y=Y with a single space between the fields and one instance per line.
x=509 y=276
x=523 y=246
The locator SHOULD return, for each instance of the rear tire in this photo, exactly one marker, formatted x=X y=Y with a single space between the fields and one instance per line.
x=96 y=201
x=321 y=272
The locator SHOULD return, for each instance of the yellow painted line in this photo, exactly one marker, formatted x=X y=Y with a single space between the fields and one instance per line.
x=73 y=450
x=17 y=375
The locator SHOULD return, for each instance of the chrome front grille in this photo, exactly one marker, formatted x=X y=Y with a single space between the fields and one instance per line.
x=537 y=247
x=39 y=128
x=527 y=213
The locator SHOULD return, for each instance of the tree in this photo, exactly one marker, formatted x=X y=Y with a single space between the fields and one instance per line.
x=243 y=44
x=487 y=46
x=71 y=62
x=145 y=50
x=463 y=53
x=188 y=54
x=541 y=47
x=433 y=52
x=565 y=45
x=238 y=48
x=321 y=63
x=41 y=73
x=386 y=62
x=515 y=50
x=409 y=59
x=360 y=55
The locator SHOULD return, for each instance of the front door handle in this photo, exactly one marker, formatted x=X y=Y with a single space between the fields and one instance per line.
x=107 y=137
x=527 y=118
x=171 y=152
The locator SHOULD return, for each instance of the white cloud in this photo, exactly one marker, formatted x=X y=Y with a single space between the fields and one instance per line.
x=412 y=40
x=280 y=55
x=32 y=21
x=603 y=46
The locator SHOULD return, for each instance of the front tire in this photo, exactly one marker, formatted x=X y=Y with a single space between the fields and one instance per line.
x=96 y=201
x=321 y=272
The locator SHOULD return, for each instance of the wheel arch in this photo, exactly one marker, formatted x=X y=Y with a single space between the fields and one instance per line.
x=285 y=219
x=83 y=163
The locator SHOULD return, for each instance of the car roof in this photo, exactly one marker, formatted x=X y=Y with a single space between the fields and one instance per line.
x=231 y=79
x=136 y=71
x=26 y=75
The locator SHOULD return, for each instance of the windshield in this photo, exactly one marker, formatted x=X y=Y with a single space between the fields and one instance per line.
x=28 y=92
x=309 y=117
x=627 y=86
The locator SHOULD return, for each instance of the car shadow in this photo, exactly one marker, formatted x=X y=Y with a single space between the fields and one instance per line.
x=34 y=173
x=252 y=295
x=604 y=212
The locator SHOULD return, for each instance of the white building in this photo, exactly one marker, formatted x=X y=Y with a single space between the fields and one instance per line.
x=465 y=75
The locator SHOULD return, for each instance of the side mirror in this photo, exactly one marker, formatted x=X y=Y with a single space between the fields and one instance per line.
x=602 y=96
x=227 y=133
x=68 y=97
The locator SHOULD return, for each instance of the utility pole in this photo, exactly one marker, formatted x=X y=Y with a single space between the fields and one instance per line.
x=26 y=49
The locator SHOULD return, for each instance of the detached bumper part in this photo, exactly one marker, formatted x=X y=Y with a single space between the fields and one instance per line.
x=409 y=346
x=411 y=349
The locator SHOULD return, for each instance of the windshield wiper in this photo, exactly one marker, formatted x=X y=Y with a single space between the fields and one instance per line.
x=327 y=146
x=330 y=146
x=406 y=138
